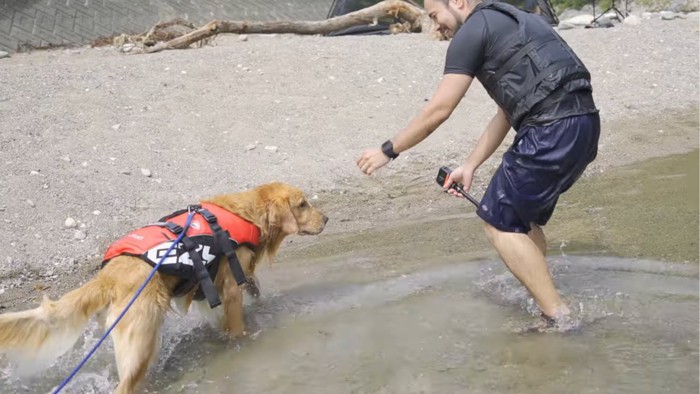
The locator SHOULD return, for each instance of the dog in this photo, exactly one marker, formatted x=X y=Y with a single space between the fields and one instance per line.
x=276 y=210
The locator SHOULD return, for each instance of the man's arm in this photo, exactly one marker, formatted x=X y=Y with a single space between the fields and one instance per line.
x=490 y=139
x=492 y=136
x=449 y=93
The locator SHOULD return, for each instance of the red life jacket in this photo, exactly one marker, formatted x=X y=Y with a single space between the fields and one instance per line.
x=151 y=242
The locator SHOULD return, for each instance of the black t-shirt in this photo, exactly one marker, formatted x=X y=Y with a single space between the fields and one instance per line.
x=488 y=28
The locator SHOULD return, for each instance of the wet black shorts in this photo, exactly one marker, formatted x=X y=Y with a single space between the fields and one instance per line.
x=543 y=162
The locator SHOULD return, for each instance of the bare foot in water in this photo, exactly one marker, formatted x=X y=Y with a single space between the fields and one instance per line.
x=559 y=324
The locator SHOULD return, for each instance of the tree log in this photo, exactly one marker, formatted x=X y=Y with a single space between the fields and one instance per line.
x=416 y=17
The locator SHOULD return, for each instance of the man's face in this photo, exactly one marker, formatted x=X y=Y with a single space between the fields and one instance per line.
x=447 y=16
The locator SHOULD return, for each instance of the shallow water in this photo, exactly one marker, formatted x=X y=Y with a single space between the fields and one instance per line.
x=441 y=330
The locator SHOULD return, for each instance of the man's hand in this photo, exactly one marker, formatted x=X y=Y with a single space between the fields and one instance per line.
x=372 y=160
x=461 y=175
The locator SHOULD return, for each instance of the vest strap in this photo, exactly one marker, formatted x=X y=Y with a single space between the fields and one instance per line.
x=227 y=246
x=201 y=275
x=517 y=57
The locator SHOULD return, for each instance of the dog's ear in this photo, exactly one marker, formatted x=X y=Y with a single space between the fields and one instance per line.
x=281 y=217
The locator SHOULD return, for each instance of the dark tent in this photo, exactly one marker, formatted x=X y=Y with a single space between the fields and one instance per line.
x=342 y=7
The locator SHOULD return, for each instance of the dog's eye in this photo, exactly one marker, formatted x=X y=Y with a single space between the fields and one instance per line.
x=303 y=204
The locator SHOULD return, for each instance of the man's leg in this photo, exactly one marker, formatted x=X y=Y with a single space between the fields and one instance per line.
x=537 y=236
x=525 y=259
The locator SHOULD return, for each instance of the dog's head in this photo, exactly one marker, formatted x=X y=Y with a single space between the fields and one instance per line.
x=278 y=210
x=285 y=210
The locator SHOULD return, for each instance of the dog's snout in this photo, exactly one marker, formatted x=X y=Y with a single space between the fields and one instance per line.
x=325 y=219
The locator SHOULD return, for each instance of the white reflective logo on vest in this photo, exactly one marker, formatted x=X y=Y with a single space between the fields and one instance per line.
x=157 y=252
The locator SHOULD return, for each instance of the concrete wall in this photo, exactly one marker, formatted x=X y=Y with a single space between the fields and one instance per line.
x=43 y=22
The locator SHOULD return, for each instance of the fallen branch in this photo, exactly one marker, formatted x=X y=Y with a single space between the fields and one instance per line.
x=414 y=20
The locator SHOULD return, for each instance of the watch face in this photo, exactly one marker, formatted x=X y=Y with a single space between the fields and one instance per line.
x=388 y=149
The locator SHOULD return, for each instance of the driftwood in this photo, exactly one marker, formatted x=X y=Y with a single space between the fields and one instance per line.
x=411 y=17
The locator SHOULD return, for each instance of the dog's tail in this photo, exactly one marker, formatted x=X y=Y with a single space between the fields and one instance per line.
x=35 y=338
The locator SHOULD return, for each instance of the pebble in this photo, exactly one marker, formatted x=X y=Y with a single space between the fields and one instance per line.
x=70 y=223
x=146 y=172
x=4 y=54
x=272 y=148
x=250 y=147
x=116 y=126
x=34 y=172
x=84 y=164
x=243 y=37
x=125 y=172
x=668 y=15
x=79 y=235
x=31 y=203
x=96 y=212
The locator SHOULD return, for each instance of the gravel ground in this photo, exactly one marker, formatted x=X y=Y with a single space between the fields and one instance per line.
x=96 y=142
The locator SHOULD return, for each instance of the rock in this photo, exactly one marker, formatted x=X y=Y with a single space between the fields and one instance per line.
x=565 y=26
x=96 y=212
x=70 y=223
x=34 y=172
x=250 y=147
x=380 y=80
x=146 y=172
x=84 y=164
x=605 y=22
x=272 y=148
x=125 y=172
x=31 y=203
x=116 y=126
x=632 y=20
x=243 y=38
x=4 y=54
x=126 y=48
x=580 y=20
x=668 y=15
x=79 y=235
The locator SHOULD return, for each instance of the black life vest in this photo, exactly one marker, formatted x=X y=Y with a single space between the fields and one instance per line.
x=533 y=63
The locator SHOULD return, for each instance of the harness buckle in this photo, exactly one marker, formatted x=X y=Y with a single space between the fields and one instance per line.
x=194 y=207
x=208 y=216
x=174 y=228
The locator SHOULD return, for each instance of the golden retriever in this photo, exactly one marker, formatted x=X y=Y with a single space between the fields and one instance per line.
x=46 y=332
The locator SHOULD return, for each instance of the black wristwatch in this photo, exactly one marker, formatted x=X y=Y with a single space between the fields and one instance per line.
x=388 y=149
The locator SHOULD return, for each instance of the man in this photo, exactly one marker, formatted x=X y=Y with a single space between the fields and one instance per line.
x=543 y=92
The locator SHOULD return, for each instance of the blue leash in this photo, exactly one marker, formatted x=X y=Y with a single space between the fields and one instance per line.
x=150 y=276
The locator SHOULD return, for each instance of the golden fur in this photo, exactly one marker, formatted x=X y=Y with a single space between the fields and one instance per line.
x=44 y=333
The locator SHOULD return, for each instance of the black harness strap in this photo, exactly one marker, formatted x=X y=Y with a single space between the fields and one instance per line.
x=227 y=246
x=201 y=275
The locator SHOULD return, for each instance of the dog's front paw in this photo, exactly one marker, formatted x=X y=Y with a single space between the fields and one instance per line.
x=253 y=287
